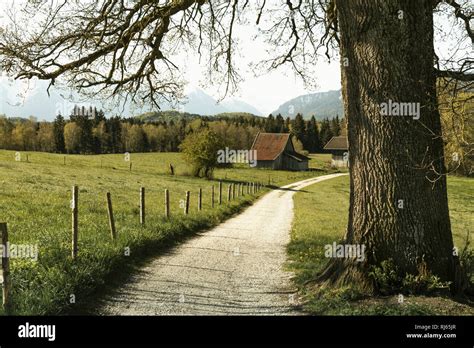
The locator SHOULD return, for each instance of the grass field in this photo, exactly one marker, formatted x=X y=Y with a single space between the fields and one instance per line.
x=35 y=202
x=321 y=213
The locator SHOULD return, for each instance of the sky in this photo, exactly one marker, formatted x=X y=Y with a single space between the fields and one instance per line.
x=266 y=92
x=270 y=89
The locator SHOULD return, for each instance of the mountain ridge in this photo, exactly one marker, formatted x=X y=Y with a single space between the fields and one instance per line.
x=321 y=104
x=37 y=103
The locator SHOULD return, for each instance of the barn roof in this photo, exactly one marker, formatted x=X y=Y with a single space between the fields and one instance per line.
x=337 y=143
x=270 y=145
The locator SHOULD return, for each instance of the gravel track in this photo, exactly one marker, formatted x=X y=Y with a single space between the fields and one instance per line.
x=237 y=268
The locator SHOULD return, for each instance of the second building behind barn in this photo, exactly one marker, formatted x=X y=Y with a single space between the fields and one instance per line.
x=276 y=151
x=338 y=148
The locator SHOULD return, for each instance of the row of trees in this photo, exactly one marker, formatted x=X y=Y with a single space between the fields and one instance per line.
x=81 y=134
x=98 y=134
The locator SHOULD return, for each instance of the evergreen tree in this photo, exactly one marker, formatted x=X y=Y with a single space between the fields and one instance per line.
x=279 y=124
x=270 y=124
x=298 y=128
x=326 y=133
x=114 y=127
x=336 y=126
x=312 y=135
x=99 y=117
x=86 y=142
x=287 y=125
x=58 y=134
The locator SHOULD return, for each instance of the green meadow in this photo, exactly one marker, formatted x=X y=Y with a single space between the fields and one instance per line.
x=321 y=218
x=35 y=202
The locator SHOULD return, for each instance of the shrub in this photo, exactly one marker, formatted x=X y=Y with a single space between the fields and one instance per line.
x=389 y=280
x=200 y=150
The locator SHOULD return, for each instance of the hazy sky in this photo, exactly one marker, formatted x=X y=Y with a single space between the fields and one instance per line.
x=265 y=92
x=270 y=89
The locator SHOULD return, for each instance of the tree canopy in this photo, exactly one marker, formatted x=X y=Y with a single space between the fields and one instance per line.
x=125 y=47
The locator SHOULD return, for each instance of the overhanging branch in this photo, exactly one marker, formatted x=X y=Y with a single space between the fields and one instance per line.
x=456 y=75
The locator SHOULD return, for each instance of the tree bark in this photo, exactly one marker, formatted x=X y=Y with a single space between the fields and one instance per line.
x=387 y=54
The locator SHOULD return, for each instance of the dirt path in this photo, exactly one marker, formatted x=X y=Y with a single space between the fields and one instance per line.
x=234 y=269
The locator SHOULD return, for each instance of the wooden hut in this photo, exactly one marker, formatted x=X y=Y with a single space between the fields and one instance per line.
x=339 y=149
x=276 y=151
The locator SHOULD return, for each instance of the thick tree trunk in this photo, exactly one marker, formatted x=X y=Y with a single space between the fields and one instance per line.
x=398 y=200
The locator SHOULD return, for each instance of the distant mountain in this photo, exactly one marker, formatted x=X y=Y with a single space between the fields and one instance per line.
x=321 y=105
x=37 y=103
x=236 y=105
x=34 y=103
x=199 y=102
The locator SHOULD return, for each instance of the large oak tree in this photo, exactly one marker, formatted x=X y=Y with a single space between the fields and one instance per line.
x=398 y=199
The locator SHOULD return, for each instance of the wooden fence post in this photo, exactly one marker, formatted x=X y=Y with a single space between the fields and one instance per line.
x=233 y=191
x=220 y=192
x=167 y=203
x=229 y=192
x=142 y=205
x=186 y=207
x=212 y=196
x=5 y=269
x=238 y=190
x=75 y=215
x=64 y=159
x=111 y=217
x=200 y=199
x=130 y=166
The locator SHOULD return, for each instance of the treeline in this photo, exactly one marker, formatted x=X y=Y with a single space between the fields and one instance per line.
x=83 y=134
x=310 y=135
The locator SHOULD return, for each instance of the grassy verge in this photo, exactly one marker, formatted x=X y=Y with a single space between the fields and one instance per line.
x=321 y=218
x=34 y=201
